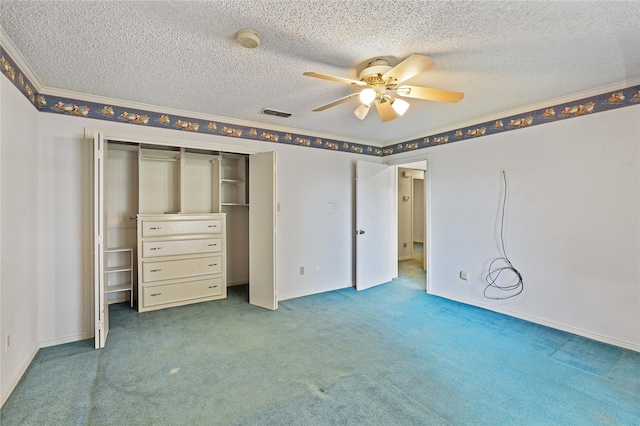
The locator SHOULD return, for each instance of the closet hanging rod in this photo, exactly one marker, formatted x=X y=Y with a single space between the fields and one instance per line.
x=159 y=158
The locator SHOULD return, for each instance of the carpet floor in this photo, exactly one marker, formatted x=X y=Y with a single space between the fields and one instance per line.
x=390 y=355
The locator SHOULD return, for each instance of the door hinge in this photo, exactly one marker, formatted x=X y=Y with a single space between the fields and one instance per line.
x=101 y=325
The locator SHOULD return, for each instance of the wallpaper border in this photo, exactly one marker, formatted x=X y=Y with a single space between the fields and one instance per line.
x=77 y=107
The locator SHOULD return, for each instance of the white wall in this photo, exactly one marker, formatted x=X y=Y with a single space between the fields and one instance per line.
x=572 y=225
x=19 y=234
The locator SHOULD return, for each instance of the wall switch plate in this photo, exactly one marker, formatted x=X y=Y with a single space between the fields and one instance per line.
x=330 y=208
x=302 y=270
x=7 y=341
x=317 y=268
x=464 y=275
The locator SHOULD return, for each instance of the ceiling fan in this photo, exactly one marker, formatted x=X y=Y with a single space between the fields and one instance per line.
x=380 y=82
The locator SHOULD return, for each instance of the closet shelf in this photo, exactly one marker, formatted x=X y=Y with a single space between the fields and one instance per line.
x=119 y=269
x=116 y=288
x=118 y=252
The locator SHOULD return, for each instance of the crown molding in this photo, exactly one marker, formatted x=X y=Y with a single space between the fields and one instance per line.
x=20 y=61
x=525 y=109
x=187 y=113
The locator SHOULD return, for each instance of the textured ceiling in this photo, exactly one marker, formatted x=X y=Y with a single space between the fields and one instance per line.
x=183 y=55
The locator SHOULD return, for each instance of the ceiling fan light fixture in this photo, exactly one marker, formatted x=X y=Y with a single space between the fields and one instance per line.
x=362 y=111
x=399 y=106
x=367 y=96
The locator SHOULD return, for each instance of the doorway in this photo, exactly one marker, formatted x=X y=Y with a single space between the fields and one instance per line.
x=411 y=223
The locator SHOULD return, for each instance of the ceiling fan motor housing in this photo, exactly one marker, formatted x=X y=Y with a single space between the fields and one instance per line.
x=374 y=72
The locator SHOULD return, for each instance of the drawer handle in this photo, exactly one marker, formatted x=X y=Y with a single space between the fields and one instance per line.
x=155 y=270
x=213 y=286
x=212 y=245
x=155 y=248
x=210 y=226
x=156 y=294
x=213 y=264
x=155 y=227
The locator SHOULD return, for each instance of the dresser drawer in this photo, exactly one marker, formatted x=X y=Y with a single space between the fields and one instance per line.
x=178 y=247
x=169 y=269
x=170 y=293
x=158 y=228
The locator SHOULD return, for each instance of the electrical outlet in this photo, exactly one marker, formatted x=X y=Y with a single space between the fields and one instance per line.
x=7 y=341
x=317 y=268
x=302 y=270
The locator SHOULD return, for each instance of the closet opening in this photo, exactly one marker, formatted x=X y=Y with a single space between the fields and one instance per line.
x=175 y=225
x=165 y=182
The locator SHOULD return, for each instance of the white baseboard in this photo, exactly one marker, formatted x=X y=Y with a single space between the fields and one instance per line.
x=573 y=330
x=6 y=393
x=311 y=292
x=63 y=340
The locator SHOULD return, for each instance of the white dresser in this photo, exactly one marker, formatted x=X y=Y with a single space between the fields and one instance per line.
x=181 y=259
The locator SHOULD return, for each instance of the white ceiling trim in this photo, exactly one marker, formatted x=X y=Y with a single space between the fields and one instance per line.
x=527 y=108
x=207 y=117
x=20 y=61
x=77 y=96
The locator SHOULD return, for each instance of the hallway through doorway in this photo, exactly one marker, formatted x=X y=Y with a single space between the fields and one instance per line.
x=410 y=271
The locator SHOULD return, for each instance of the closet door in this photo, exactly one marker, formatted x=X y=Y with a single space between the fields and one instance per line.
x=101 y=308
x=262 y=230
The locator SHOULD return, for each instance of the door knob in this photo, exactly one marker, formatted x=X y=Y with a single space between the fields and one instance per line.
x=360 y=231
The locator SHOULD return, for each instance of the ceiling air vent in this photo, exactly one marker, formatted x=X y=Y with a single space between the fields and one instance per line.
x=276 y=113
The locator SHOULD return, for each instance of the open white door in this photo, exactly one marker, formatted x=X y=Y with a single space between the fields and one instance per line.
x=373 y=222
x=101 y=307
x=262 y=230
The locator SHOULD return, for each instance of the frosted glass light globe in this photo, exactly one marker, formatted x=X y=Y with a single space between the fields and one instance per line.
x=367 y=96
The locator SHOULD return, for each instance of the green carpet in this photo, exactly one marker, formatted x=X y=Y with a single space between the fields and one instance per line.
x=390 y=355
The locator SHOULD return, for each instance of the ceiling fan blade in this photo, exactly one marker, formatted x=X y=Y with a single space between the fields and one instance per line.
x=336 y=102
x=429 y=94
x=385 y=110
x=332 y=78
x=410 y=67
